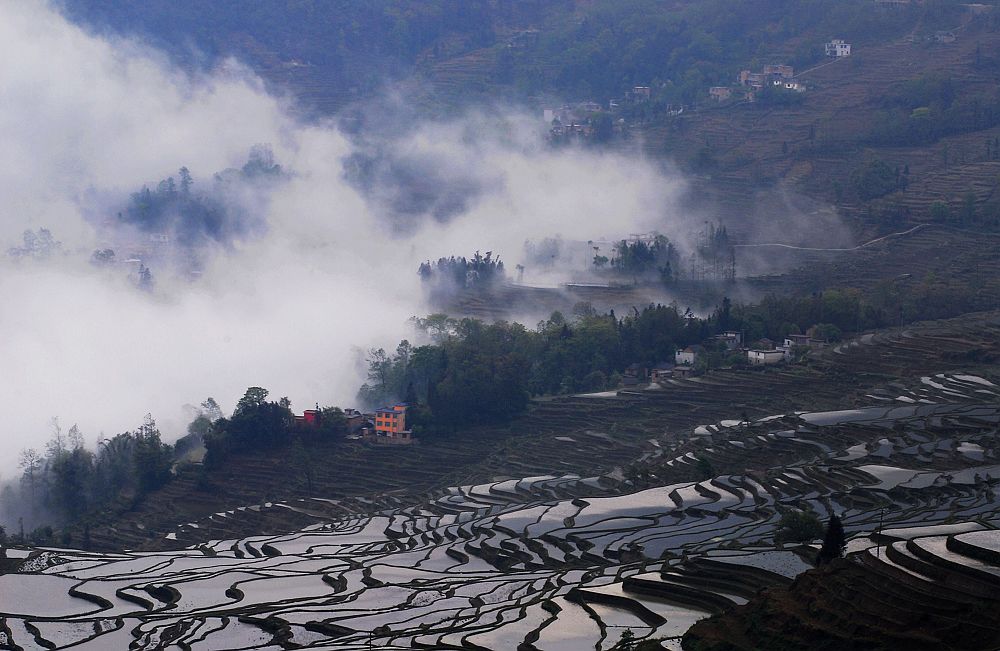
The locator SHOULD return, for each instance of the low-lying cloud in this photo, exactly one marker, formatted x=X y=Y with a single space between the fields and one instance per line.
x=87 y=120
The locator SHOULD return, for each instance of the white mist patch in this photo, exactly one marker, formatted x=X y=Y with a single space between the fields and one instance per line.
x=539 y=192
x=85 y=116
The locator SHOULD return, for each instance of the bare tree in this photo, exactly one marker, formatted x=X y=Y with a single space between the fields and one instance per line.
x=30 y=463
x=56 y=445
x=75 y=437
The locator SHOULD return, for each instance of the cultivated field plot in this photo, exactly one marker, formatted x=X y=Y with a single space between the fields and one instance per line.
x=559 y=561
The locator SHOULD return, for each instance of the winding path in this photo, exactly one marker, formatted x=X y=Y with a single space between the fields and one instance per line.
x=853 y=248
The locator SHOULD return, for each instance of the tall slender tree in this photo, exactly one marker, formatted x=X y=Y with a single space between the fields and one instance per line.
x=834 y=542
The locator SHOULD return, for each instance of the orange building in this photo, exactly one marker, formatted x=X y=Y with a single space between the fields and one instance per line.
x=391 y=422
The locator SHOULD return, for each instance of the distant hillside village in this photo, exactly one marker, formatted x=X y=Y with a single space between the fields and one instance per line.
x=390 y=425
x=779 y=77
x=728 y=349
x=384 y=426
x=591 y=121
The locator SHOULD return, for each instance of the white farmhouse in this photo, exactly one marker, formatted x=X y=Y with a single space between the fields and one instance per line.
x=687 y=356
x=837 y=48
x=765 y=357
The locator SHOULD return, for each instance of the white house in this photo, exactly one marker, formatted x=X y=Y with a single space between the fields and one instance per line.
x=838 y=48
x=720 y=93
x=803 y=341
x=765 y=357
x=686 y=356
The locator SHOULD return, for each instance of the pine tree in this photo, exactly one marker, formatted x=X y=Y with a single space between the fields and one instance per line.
x=833 y=543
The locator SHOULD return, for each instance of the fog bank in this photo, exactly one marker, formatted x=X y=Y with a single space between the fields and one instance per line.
x=87 y=120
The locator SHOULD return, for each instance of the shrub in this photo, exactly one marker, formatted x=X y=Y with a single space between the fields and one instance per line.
x=798 y=527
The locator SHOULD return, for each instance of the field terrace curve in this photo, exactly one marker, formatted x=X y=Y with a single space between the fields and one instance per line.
x=559 y=561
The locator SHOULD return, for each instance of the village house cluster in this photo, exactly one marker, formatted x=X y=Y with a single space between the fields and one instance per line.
x=578 y=121
x=690 y=360
x=581 y=121
x=749 y=83
x=384 y=426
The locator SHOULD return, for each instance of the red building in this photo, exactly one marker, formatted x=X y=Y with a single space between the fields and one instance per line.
x=310 y=418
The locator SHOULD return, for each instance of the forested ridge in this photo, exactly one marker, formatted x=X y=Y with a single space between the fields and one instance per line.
x=595 y=50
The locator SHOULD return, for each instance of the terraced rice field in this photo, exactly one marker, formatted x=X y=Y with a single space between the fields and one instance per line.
x=559 y=561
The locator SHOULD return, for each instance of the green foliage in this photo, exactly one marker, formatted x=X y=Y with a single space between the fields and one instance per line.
x=875 y=178
x=834 y=542
x=191 y=215
x=259 y=424
x=924 y=110
x=43 y=535
x=826 y=332
x=640 y=258
x=197 y=430
x=798 y=527
x=940 y=211
x=447 y=274
x=603 y=125
x=256 y=424
x=71 y=472
x=355 y=43
x=152 y=458
x=332 y=421
x=477 y=373
x=72 y=482
x=485 y=379
x=779 y=96
x=252 y=399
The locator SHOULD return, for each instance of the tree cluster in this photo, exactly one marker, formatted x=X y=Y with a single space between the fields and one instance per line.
x=474 y=372
x=38 y=245
x=875 y=178
x=479 y=272
x=640 y=259
x=259 y=424
x=926 y=109
x=191 y=216
x=478 y=373
x=798 y=527
x=69 y=482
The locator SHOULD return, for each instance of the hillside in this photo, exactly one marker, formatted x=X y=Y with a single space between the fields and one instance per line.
x=440 y=57
x=556 y=436
x=518 y=551
x=815 y=147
